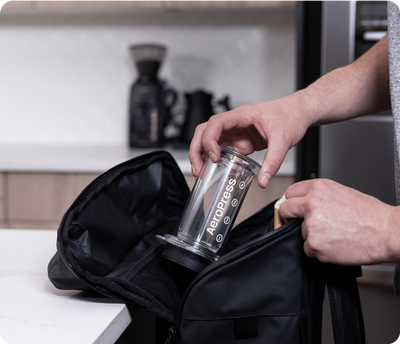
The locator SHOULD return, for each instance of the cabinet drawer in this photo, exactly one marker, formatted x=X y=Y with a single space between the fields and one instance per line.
x=97 y=4
x=2 y=203
x=105 y=6
x=227 y=4
x=17 y=6
x=36 y=199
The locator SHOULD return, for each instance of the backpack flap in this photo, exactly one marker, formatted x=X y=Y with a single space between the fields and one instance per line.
x=106 y=240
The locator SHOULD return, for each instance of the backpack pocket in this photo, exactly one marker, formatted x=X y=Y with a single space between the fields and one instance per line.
x=252 y=293
x=106 y=240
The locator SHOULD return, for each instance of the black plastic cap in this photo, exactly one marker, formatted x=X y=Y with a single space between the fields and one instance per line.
x=185 y=258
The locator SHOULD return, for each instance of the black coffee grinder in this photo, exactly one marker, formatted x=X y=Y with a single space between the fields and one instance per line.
x=149 y=111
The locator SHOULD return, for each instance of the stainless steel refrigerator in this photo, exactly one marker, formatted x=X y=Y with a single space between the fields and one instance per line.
x=357 y=153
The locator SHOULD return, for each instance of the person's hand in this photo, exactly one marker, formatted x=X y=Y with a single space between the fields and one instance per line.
x=277 y=125
x=342 y=225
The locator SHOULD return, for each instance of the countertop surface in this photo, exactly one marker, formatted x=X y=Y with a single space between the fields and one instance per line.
x=32 y=310
x=96 y=159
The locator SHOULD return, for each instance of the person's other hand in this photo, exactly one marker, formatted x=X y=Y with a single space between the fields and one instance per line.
x=277 y=125
x=342 y=225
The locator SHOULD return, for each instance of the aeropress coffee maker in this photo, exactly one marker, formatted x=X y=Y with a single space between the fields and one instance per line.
x=150 y=102
x=211 y=210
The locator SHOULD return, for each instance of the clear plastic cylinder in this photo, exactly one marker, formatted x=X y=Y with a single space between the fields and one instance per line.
x=214 y=203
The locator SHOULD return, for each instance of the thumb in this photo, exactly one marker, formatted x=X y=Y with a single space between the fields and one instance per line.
x=272 y=162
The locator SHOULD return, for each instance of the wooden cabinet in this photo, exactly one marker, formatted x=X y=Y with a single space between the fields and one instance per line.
x=2 y=203
x=13 y=6
x=17 y=6
x=97 y=4
x=227 y=4
x=39 y=200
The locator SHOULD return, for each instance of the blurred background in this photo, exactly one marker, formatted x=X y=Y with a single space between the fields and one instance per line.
x=67 y=69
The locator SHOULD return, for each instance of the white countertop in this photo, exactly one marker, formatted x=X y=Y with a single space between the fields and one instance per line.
x=95 y=159
x=32 y=310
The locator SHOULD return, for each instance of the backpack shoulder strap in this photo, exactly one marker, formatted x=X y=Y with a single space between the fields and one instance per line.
x=344 y=300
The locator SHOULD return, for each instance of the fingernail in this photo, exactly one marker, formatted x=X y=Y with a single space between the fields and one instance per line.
x=192 y=166
x=265 y=179
x=212 y=156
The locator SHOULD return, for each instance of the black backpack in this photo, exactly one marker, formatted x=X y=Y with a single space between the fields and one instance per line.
x=263 y=289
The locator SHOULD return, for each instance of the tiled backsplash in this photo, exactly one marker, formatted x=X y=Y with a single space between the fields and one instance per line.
x=65 y=78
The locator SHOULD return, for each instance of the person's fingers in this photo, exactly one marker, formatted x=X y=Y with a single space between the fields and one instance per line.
x=196 y=152
x=299 y=189
x=300 y=199
x=232 y=128
x=309 y=251
x=216 y=125
x=273 y=159
x=292 y=208
x=207 y=138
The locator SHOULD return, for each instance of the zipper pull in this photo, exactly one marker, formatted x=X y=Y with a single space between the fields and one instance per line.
x=170 y=335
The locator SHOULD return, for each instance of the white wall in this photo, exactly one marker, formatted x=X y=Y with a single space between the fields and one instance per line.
x=65 y=78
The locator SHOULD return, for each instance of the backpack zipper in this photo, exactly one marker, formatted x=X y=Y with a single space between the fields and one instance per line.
x=170 y=339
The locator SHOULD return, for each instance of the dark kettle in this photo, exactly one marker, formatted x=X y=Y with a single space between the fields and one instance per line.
x=200 y=107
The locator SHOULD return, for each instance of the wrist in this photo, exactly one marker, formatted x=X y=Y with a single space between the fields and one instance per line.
x=307 y=106
x=392 y=237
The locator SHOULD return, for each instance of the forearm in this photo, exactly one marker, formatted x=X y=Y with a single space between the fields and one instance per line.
x=359 y=89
